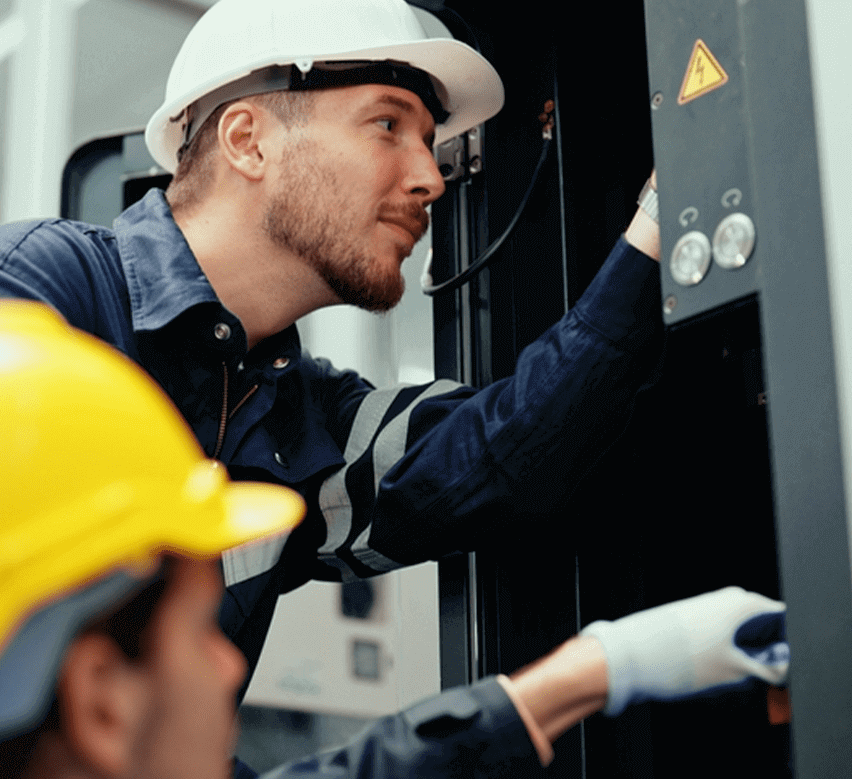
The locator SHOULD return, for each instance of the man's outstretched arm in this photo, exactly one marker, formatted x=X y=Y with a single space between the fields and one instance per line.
x=718 y=640
x=504 y=726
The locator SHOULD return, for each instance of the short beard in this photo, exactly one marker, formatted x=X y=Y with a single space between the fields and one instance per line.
x=305 y=218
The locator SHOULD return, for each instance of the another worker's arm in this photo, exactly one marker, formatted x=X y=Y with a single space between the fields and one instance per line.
x=504 y=727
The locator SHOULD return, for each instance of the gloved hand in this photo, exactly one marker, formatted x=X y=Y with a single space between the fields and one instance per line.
x=718 y=639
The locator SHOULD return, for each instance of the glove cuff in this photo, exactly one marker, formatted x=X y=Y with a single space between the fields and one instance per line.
x=619 y=667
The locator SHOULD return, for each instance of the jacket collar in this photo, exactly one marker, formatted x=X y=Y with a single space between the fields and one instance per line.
x=163 y=277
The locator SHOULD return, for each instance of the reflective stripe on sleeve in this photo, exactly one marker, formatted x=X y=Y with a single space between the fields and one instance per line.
x=387 y=451
x=252 y=559
x=333 y=498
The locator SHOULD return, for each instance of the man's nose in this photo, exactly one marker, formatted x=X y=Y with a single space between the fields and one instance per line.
x=232 y=666
x=424 y=179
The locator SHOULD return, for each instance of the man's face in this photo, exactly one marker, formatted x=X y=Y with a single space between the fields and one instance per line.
x=354 y=185
x=192 y=672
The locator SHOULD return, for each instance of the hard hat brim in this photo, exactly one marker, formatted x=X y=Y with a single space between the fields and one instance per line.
x=256 y=511
x=474 y=91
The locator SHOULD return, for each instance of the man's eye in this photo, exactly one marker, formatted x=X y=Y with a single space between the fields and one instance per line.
x=386 y=123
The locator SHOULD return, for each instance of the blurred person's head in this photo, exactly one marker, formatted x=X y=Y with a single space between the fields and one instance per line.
x=112 y=663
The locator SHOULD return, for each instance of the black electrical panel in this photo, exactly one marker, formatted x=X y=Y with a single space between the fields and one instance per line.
x=683 y=502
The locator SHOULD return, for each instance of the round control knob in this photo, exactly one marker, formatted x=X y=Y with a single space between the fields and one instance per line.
x=733 y=241
x=690 y=259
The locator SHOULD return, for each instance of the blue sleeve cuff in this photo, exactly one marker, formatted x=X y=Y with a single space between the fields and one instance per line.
x=489 y=720
x=624 y=297
x=473 y=732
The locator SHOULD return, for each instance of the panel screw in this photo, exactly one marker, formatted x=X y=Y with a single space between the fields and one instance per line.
x=657 y=100
x=670 y=304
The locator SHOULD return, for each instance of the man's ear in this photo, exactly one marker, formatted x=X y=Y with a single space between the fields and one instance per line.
x=242 y=139
x=102 y=706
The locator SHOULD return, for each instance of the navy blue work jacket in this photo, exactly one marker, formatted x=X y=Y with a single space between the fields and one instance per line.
x=391 y=477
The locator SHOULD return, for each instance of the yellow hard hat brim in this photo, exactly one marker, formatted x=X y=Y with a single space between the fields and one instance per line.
x=255 y=511
x=214 y=514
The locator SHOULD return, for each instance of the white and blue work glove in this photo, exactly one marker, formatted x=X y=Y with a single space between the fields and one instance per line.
x=713 y=641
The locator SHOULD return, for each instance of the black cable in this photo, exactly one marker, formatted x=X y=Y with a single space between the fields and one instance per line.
x=456 y=281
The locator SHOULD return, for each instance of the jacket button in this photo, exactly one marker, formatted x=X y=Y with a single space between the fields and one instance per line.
x=281 y=362
x=222 y=331
x=280 y=460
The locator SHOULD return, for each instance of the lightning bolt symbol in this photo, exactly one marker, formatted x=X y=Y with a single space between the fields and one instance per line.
x=699 y=68
x=703 y=74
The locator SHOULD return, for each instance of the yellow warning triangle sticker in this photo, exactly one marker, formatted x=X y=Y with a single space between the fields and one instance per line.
x=703 y=74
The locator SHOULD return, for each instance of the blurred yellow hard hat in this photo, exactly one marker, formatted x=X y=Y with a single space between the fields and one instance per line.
x=99 y=472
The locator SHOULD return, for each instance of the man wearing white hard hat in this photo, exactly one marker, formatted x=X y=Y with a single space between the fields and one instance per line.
x=112 y=662
x=300 y=133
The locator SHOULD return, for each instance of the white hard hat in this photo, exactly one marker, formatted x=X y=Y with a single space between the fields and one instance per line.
x=236 y=38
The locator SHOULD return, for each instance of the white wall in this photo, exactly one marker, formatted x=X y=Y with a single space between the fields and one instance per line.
x=830 y=30
x=76 y=70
